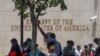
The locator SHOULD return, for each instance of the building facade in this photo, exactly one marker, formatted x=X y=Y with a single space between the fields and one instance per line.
x=71 y=24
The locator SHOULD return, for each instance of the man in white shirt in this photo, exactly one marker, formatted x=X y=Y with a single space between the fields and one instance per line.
x=78 y=51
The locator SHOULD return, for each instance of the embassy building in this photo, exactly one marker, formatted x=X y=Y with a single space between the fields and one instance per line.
x=71 y=24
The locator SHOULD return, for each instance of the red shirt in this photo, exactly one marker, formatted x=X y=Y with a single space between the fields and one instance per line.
x=13 y=53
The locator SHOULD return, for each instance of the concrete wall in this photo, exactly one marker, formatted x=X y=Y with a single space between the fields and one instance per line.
x=80 y=11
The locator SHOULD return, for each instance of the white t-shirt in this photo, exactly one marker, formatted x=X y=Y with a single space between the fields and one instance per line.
x=51 y=54
x=77 y=53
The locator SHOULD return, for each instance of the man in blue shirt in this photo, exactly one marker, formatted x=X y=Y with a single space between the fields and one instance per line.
x=50 y=37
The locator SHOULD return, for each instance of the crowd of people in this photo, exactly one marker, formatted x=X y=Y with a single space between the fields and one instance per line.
x=53 y=47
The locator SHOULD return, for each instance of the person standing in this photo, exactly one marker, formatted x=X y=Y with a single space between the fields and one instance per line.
x=97 y=51
x=15 y=49
x=49 y=37
x=91 y=50
x=69 y=50
x=85 y=52
x=51 y=48
x=78 y=51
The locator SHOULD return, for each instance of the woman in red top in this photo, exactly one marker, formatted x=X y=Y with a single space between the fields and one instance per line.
x=15 y=50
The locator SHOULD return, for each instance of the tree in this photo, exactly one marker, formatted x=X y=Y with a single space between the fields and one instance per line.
x=34 y=9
